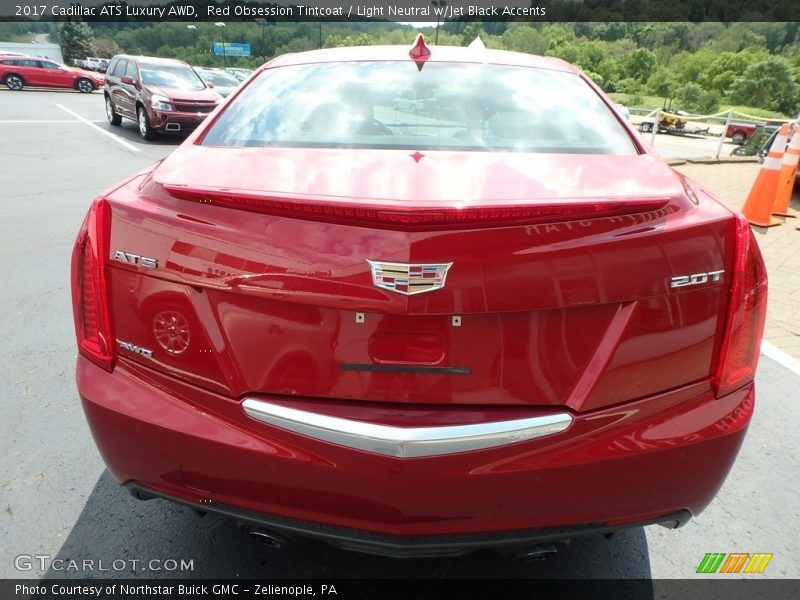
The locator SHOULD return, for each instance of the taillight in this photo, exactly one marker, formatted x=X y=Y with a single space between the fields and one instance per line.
x=90 y=302
x=747 y=308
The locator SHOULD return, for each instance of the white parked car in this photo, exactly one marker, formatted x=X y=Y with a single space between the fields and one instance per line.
x=95 y=64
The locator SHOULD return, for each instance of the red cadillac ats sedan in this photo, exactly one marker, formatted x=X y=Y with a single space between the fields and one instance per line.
x=415 y=304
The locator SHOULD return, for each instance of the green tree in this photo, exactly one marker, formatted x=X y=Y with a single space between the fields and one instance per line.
x=767 y=84
x=77 y=40
x=612 y=31
x=662 y=83
x=710 y=102
x=643 y=34
x=524 y=38
x=337 y=40
x=596 y=77
x=675 y=35
x=693 y=98
x=701 y=34
x=334 y=40
x=361 y=39
x=300 y=44
x=472 y=31
x=561 y=42
x=726 y=67
x=640 y=64
x=776 y=35
x=106 y=48
x=692 y=66
x=628 y=86
x=611 y=71
x=590 y=56
x=738 y=37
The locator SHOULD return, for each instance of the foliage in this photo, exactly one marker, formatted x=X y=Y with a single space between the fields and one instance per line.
x=662 y=82
x=471 y=31
x=24 y=31
x=523 y=38
x=640 y=65
x=735 y=63
x=769 y=83
x=693 y=98
x=726 y=67
x=105 y=48
x=629 y=86
x=77 y=41
x=337 y=40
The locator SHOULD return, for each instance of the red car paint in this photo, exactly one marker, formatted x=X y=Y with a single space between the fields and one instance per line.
x=739 y=132
x=18 y=71
x=262 y=291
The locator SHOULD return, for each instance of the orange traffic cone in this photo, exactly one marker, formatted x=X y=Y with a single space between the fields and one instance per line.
x=787 y=178
x=758 y=207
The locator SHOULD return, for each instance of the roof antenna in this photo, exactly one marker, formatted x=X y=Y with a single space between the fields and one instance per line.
x=477 y=44
x=420 y=52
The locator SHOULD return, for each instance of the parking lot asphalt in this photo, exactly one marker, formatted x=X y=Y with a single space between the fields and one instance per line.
x=57 y=499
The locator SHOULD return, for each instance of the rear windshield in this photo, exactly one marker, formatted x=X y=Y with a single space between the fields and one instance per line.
x=174 y=76
x=458 y=106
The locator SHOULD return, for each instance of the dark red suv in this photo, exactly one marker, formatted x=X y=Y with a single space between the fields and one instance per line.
x=161 y=94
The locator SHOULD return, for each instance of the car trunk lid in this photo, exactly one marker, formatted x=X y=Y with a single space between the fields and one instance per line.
x=542 y=309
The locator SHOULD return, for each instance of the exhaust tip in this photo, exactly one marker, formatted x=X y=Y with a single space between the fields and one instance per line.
x=673 y=524
x=537 y=553
x=267 y=538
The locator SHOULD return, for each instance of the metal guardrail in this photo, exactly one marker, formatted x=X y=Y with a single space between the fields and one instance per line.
x=720 y=122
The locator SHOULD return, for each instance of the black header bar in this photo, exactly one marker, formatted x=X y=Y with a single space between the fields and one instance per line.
x=396 y=10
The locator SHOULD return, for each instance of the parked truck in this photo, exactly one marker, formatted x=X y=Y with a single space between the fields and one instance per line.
x=740 y=132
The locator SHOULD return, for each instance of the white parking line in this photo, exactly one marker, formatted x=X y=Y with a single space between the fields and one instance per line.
x=116 y=138
x=35 y=121
x=780 y=357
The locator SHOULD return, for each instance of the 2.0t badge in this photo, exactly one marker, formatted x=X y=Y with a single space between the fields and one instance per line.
x=408 y=278
x=696 y=279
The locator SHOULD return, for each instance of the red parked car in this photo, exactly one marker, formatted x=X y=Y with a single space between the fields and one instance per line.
x=500 y=323
x=17 y=71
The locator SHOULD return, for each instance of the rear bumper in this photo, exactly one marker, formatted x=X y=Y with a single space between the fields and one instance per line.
x=396 y=546
x=644 y=462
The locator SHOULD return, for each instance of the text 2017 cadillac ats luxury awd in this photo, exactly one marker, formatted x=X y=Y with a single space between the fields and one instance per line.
x=493 y=321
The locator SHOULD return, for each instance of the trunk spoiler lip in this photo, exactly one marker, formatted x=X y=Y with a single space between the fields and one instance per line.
x=421 y=215
x=406 y=442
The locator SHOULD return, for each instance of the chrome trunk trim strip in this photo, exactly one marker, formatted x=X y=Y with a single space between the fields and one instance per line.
x=405 y=442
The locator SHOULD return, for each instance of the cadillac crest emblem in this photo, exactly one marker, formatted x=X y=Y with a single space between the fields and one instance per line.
x=408 y=278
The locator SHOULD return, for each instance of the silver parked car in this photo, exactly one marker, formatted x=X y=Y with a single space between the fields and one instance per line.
x=223 y=82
